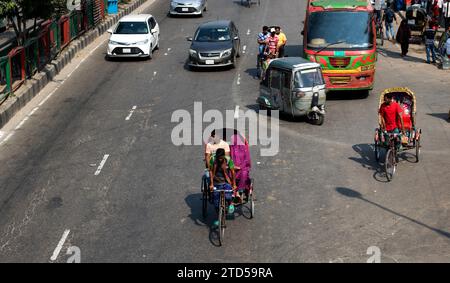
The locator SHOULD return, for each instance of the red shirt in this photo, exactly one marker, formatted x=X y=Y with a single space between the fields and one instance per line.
x=389 y=113
x=272 y=42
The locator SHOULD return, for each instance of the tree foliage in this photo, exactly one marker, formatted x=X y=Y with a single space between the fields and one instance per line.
x=19 y=12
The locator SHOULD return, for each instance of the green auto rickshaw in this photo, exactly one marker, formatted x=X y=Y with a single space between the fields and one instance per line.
x=295 y=86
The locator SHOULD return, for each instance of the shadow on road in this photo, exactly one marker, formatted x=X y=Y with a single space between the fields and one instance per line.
x=443 y=116
x=391 y=54
x=194 y=201
x=367 y=160
x=354 y=194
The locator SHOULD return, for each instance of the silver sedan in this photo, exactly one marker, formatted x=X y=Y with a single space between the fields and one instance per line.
x=188 y=7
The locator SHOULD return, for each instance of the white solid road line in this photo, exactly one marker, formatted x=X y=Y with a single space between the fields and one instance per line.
x=244 y=48
x=21 y=123
x=100 y=167
x=131 y=113
x=101 y=43
x=60 y=245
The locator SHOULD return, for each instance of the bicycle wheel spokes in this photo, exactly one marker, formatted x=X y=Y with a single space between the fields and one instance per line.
x=222 y=216
x=390 y=164
x=204 y=197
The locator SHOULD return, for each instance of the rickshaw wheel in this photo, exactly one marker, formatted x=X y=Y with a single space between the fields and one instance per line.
x=377 y=151
x=205 y=198
x=417 y=150
x=252 y=205
x=389 y=165
x=251 y=200
x=222 y=216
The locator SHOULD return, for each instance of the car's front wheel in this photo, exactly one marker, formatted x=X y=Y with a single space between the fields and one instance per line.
x=150 y=54
x=157 y=45
x=233 y=65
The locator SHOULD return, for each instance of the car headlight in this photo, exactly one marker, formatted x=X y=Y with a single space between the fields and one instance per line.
x=142 y=42
x=112 y=42
x=192 y=52
x=174 y=4
x=227 y=52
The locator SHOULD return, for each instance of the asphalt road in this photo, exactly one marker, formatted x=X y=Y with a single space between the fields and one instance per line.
x=323 y=198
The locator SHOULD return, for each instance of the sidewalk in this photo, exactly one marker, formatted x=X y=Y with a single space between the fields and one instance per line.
x=31 y=87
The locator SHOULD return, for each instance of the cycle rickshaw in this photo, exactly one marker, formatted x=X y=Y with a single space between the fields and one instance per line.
x=417 y=22
x=394 y=143
x=240 y=154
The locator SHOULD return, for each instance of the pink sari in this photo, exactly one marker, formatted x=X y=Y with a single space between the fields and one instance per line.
x=240 y=154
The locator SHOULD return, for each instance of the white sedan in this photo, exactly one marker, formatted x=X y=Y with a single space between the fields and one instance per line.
x=134 y=36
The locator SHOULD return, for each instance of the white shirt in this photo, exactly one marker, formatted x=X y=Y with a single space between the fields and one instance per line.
x=446 y=9
x=440 y=3
x=447 y=46
x=377 y=5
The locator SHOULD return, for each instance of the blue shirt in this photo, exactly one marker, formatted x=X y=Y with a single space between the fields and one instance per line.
x=263 y=37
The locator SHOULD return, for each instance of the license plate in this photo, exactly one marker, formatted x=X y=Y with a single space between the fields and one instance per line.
x=209 y=62
x=184 y=9
x=411 y=22
x=126 y=50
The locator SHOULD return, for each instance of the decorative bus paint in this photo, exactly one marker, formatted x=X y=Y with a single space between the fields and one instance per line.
x=343 y=68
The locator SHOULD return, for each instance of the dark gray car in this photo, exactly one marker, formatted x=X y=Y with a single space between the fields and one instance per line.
x=215 y=44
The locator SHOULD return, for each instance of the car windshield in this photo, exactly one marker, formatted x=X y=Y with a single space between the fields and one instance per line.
x=339 y=30
x=131 y=28
x=308 y=78
x=212 y=34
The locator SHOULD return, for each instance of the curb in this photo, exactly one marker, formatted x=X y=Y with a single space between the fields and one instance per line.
x=31 y=87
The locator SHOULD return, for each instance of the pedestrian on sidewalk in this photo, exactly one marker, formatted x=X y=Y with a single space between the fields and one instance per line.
x=429 y=35
x=388 y=18
x=403 y=36
x=447 y=44
x=446 y=13
x=440 y=4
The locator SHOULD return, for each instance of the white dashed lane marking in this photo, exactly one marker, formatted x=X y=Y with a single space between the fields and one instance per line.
x=131 y=113
x=100 y=167
x=60 y=245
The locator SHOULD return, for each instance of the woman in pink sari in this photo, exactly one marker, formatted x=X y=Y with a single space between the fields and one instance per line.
x=240 y=154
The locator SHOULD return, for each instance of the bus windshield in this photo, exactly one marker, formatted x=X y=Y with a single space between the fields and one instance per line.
x=339 y=30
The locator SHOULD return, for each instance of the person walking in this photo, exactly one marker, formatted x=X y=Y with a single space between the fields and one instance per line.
x=429 y=35
x=403 y=36
x=282 y=40
x=388 y=18
x=446 y=13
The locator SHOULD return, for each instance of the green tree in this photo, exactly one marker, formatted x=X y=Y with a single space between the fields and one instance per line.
x=19 y=12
